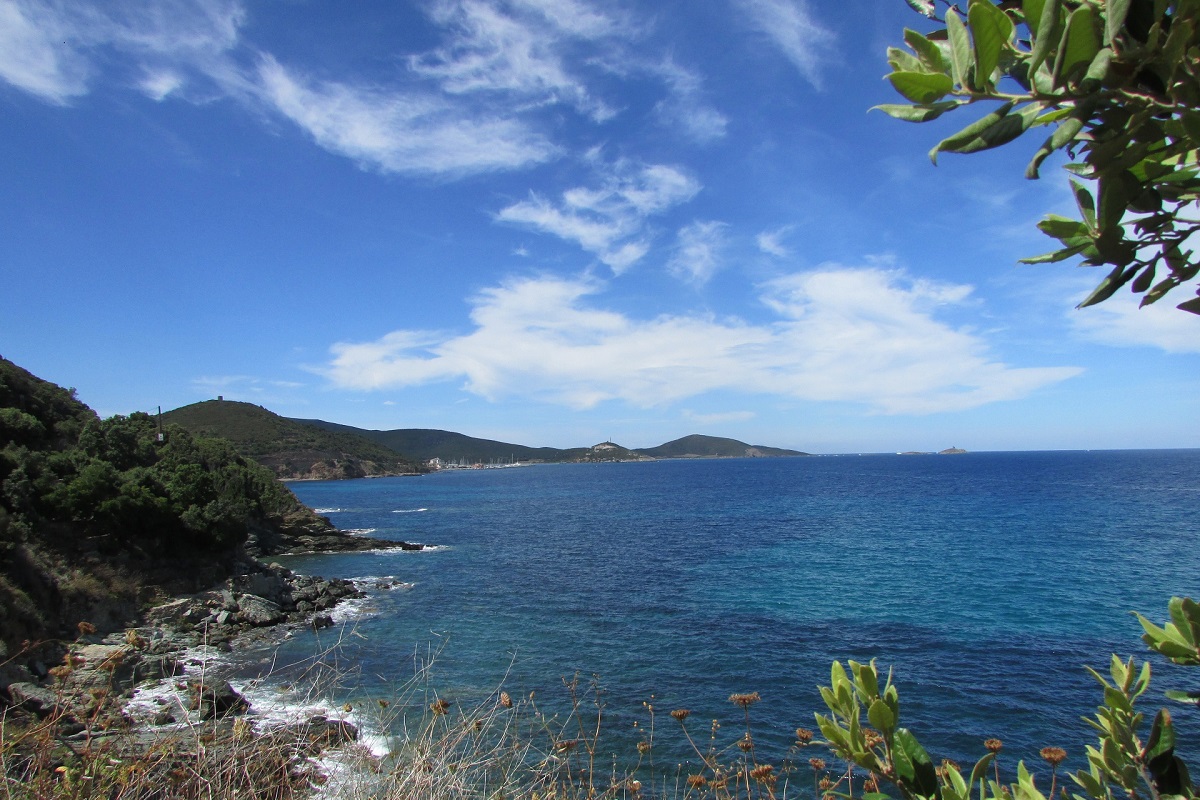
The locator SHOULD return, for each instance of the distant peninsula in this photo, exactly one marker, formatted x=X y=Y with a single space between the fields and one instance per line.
x=314 y=449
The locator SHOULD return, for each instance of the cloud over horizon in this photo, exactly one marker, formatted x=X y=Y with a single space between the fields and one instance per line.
x=848 y=335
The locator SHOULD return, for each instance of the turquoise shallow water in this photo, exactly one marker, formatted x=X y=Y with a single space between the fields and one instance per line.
x=986 y=580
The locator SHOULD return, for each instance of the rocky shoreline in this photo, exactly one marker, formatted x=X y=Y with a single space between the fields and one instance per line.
x=85 y=695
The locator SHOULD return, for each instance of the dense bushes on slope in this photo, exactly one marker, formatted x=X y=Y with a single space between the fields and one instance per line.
x=96 y=515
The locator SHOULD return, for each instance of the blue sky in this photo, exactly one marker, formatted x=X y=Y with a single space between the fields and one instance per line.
x=551 y=222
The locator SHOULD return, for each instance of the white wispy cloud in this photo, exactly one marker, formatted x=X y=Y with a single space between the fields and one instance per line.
x=517 y=48
x=33 y=56
x=684 y=107
x=851 y=335
x=473 y=104
x=397 y=132
x=771 y=242
x=1120 y=323
x=793 y=29
x=608 y=221
x=51 y=49
x=697 y=251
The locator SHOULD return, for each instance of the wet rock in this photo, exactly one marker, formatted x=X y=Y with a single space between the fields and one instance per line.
x=322 y=621
x=216 y=701
x=323 y=732
x=32 y=697
x=259 y=611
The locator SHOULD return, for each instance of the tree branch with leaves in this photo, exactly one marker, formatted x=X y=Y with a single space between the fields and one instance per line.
x=1116 y=85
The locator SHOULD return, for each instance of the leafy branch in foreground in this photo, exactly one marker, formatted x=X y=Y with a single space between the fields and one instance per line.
x=1117 y=85
x=1121 y=765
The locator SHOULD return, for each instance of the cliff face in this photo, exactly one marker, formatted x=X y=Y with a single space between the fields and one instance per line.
x=99 y=517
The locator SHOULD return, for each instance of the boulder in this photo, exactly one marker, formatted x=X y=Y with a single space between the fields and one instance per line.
x=259 y=611
x=216 y=701
x=32 y=697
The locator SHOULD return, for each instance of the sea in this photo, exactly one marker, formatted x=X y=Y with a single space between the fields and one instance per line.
x=982 y=582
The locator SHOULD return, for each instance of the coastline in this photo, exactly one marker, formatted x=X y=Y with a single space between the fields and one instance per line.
x=168 y=678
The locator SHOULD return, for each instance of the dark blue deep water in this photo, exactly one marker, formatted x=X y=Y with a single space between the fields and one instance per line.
x=985 y=580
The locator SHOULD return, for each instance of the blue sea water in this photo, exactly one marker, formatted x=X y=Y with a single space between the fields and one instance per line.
x=986 y=581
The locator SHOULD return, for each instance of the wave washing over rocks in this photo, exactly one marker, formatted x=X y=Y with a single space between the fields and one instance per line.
x=177 y=675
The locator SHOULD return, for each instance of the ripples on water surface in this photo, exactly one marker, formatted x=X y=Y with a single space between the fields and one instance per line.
x=987 y=580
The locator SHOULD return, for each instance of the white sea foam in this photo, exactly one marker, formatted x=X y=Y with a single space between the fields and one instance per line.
x=170 y=693
x=327 y=510
x=360 y=531
x=387 y=551
x=409 y=510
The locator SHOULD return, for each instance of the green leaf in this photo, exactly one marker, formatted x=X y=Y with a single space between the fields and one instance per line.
x=1142 y=282
x=1114 y=199
x=1116 y=11
x=1080 y=43
x=904 y=61
x=1047 y=35
x=1106 y=289
x=927 y=50
x=1062 y=227
x=970 y=138
x=922 y=775
x=1177 y=694
x=1085 y=203
x=1056 y=256
x=979 y=772
x=1162 y=736
x=1098 y=70
x=961 y=59
x=919 y=113
x=922 y=88
x=867 y=679
x=881 y=716
x=992 y=30
x=1064 y=134
x=1032 y=11
x=922 y=7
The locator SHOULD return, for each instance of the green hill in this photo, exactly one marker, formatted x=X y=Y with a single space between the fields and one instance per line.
x=98 y=516
x=424 y=444
x=698 y=446
x=291 y=449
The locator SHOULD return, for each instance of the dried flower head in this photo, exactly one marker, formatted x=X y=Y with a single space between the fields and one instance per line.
x=61 y=672
x=746 y=743
x=744 y=699
x=565 y=746
x=383 y=703
x=86 y=628
x=439 y=706
x=872 y=737
x=949 y=763
x=635 y=786
x=680 y=714
x=643 y=747
x=697 y=781
x=764 y=774
x=135 y=640
x=804 y=735
x=506 y=700
x=870 y=784
x=993 y=745
x=817 y=764
x=825 y=784
x=1053 y=755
